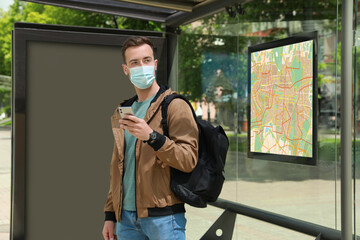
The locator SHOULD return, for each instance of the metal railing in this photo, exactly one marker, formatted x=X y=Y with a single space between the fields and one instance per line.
x=227 y=221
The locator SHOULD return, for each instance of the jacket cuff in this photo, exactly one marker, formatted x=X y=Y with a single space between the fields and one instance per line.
x=158 y=142
x=110 y=216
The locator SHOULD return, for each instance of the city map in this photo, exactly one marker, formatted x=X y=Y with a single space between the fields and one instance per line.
x=281 y=105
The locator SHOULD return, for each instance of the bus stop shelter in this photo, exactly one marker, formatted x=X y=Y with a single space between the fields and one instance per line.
x=39 y=137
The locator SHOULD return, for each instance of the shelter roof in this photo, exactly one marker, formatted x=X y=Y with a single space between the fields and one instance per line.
x=171 y=12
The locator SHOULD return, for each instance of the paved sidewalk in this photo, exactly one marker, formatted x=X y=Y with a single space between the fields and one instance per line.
x=5 y=174
x=310 y=200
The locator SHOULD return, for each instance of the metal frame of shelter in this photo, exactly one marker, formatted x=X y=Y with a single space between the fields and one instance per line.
x=172 y=13
x=178 y=12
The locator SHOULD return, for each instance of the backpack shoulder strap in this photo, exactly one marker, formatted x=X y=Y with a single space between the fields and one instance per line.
x=164 y=108
x=129 y=102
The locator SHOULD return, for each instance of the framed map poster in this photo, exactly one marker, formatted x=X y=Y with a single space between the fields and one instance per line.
x=282 y=111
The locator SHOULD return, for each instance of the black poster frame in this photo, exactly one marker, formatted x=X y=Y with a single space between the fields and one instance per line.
x=24 y=33
x=278 y=43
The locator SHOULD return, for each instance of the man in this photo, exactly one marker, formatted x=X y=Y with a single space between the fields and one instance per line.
x=140 y=199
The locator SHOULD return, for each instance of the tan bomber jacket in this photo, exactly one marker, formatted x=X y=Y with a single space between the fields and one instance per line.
x=152 y=168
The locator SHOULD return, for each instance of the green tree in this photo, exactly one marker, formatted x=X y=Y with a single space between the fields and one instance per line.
x=38 y=13
x=7 y=19
x=5 y=94
x=29 y=12
x=287 y=10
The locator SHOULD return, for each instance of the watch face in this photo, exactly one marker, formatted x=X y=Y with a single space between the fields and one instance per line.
x=153 y=136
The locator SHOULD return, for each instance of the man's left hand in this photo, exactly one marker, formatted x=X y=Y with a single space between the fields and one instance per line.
x=136 y=126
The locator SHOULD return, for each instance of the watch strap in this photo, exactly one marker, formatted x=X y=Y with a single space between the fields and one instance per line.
x=150 y=137
x=158 y=142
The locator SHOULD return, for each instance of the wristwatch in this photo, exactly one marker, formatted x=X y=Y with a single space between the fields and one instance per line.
x=152 y=137
x=156 y=140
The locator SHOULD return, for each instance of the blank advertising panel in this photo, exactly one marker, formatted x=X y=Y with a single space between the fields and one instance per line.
x=72 y=81
x=71 y=92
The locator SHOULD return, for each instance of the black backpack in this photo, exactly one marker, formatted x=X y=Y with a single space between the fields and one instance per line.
x=205 y=182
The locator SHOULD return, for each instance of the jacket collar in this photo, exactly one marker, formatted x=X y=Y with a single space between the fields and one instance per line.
x=154 y=105
x=129 y=102
x=153 y=108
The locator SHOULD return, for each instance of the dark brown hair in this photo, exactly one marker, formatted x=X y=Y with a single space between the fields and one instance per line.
x=135 y=42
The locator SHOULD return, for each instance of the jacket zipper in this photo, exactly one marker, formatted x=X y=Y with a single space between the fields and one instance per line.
x=135 y=166
x=122 y=182
x=135 y=182
x=121 y=192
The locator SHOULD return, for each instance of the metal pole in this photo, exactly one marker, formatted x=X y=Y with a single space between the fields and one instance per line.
x=346 y=126
x=172 y=57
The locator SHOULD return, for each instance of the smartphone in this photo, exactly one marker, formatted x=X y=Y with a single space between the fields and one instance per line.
x=125 y=111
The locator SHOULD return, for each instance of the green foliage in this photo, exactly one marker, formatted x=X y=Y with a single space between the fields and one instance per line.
x=5 y=94
x=29 y=12
x=241 y=146
x=44 y=14
x=6 y=123
x=190 y=65
x=326 y=148
x=7 y=110
x=264 y=10
x=7 y=19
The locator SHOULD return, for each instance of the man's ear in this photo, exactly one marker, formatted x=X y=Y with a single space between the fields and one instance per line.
x=156 y=62
x=125 y=69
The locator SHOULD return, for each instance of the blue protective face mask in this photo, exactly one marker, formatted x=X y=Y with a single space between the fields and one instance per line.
x=142 y=77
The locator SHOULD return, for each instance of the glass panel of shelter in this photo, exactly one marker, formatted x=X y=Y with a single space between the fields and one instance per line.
x=214 y=76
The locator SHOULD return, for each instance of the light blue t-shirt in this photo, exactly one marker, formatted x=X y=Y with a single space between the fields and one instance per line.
x=129 y=203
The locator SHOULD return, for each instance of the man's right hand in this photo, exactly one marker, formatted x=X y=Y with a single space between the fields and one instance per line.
x=108 y=230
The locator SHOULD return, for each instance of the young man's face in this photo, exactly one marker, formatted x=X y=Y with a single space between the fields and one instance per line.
x=139 y=56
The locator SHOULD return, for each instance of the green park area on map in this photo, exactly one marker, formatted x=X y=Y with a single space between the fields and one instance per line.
x=282 y=99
